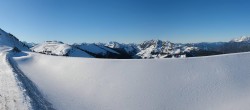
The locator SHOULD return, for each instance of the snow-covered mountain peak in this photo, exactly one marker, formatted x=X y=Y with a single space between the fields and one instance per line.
x=29 y=44
x=95 y=49
x=155 y=49
x=54 y=42
x=59 y=48
x=154 y=44
x=241 y=39
x=52 y=47
x=113 y=44
x=130 y=48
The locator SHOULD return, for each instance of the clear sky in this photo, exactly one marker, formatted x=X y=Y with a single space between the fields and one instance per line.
x=125 y=20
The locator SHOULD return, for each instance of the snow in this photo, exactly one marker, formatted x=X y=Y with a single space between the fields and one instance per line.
x=147 y=52
x=17 y=92
x=206 y=83
x=12 y=96
x=54 y=47
x=36 y=81
x=177 y=51
x=29 y=44
x=147 y=49
x=108 y=49
x=93 y=48
x=9 y=40
x=59 y=48
x=129 y=48
x=241 y=39
x=188 y=49
x=162 y=49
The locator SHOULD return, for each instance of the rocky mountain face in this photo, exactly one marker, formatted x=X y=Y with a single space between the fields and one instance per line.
x=162 y=49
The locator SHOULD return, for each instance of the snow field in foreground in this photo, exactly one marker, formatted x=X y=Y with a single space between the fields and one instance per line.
x=207 y=83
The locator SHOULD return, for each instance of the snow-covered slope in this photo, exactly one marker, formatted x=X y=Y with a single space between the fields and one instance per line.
x=206 y=83
x=12 y=96
x=95 y=49
x=241 y=39
x=145 y=50
x=241 y=44
x=59 y=48
x=29 y=44
x=161 y=49
x=17 y=92
x=130 y=49
x=9 y=40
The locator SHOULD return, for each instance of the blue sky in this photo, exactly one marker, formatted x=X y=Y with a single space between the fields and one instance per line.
x=125 y=20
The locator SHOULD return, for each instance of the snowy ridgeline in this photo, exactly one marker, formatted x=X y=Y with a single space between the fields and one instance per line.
x=146 y=50
x=151 y=49
x=207 y=83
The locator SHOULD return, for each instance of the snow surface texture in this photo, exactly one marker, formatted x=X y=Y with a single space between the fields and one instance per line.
x=17 y=92
x=207 y=83
x=11 y=94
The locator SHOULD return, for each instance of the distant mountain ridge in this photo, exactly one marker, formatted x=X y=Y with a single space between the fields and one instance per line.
x=59 y=48
x=241 y=44
x=161 y=49
x=241 y=39
x=145 y=50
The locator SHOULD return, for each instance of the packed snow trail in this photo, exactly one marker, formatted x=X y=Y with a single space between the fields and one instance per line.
x=17 y=92
x=11 y=95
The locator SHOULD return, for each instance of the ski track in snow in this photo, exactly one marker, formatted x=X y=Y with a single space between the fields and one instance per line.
x=11 y=95
x=17 y=92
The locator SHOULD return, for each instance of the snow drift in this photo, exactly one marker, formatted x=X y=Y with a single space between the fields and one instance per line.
x=207 y=83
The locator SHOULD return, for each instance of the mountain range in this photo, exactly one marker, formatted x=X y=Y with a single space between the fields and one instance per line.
x=33 y=81
x=145 y=50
